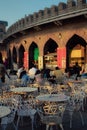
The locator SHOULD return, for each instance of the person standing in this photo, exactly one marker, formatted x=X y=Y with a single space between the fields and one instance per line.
x=3 y=71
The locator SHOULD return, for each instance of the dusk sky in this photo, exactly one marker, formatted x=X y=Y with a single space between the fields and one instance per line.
x=13 y=10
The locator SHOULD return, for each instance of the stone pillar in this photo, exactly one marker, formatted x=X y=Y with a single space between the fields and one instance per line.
x=17 y=57
x=86 y=55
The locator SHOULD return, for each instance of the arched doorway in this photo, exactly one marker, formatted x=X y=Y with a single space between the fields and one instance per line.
x=33 y=54
x=21 y=56
x=50 y=54
x=76 y=51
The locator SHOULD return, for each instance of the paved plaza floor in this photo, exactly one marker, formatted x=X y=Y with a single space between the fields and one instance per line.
x=76 y=123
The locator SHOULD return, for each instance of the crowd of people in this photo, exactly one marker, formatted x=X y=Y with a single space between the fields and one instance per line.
x=75 y=70
x=34 y=74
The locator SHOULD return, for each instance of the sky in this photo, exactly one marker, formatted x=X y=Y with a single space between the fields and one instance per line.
x=13 y=10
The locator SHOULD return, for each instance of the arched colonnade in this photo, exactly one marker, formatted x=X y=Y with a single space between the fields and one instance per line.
x=48 y=51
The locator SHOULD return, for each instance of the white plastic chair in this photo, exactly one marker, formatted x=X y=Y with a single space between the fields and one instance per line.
x=25 y=109
x=52 y=114
x=75 y=104
x=32 y=114
x=5 y=121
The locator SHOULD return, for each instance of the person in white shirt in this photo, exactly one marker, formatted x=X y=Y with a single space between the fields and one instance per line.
x=32 y=72
x=19 y=71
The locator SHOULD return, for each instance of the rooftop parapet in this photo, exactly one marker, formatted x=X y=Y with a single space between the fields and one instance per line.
x=35 y=16
x=47 y=15
x=47 y=12
x=54 y=10
x=30 y=18
x=62 y=8
x=81 y=3
x=71 y=3
x=40 y=14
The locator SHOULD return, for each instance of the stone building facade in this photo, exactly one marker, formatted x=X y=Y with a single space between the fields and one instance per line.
x=55 y=36
x=3 y=25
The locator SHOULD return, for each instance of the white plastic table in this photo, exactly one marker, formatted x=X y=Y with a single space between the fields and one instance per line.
x=52 y=113
x=4 y=111
x=23 y=89
x=53 y=97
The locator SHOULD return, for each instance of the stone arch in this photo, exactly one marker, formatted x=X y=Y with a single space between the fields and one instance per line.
x=76 y=45
x=50 y=53
x=50 y=46
x=21 y=55
x=33 y=54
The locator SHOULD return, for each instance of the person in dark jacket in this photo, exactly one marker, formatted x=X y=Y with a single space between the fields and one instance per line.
x=3 y=71
x=77 y=69
x=70 y=70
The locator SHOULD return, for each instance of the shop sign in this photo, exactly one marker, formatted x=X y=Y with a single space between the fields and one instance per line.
x=26 y=60
x=61 y=57
x=40 y=62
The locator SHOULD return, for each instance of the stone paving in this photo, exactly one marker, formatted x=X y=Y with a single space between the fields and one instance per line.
x=76 y=123
x=75 y=126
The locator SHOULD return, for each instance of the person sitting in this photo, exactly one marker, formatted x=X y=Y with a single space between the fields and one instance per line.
x=59 y=75
x=70 y=70
x=84 y=75
x=38 y=77
x=47 y=73
x=24 y=79
x=77 y=69
x=84 y=71
x=20 y=71
x=32 y=72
